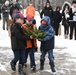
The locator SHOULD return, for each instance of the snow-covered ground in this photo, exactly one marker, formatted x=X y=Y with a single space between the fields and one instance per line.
x=64 y=52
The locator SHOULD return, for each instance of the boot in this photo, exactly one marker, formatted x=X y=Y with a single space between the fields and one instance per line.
x=53 y=69
x=20 y=69
x=33 y=68
x=66 y=36
x=25 y=64
x=41 y=64
x=13 y=65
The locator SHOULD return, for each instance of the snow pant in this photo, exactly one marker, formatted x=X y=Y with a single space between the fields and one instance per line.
x=50 y=56
x=5 y=20
x=19 y=55
x=72 y=27
x=30 y=51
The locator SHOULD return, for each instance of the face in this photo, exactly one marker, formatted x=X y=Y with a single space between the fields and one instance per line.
x=20 y=20
x=47 y=4
x=30 y=4
x=7 y=4
x=29 y=22
x=58 y=9
x=66 y=7
x=14 y=3
x=74 y=4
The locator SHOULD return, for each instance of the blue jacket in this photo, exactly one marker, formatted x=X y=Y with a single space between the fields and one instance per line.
x=47 y=42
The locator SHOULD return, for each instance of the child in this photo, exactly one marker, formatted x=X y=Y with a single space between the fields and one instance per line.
x=18 y=42
x=47 y=43
x=31 y=44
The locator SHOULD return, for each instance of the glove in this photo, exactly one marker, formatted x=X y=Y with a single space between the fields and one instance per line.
x=36 y=49
x=34 y=21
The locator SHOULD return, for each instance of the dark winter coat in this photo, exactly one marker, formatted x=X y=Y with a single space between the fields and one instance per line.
x=64 y=20
x=57 y=17
x=47 y=42
x=56 y=21
x=0 y=13
x=71 y=14
x=12 y=8
x=17 y=37
x=4 y=8
x=47 y=12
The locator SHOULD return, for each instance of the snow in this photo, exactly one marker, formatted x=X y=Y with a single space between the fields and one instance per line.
x=68 y=45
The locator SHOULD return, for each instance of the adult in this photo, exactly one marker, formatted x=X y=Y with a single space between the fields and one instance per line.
x=65 y=20
x=72 y=20
x=47 y=11
x=0 y=13
x=57 y=19
x=5 y=13
x=13 y=8
x=30 y=10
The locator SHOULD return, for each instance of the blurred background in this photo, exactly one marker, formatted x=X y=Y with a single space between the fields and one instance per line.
x=38 y=4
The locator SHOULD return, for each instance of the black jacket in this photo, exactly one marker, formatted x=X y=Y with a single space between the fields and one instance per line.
x=47 y=45
x=57 y=17
x=0 y=13
x=17 y=37
x=71 y=14
x=4 y=8
x=12 y=8
x=47 y=12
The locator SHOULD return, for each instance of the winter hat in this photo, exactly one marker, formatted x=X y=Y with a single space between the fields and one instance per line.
x=46 y=19
x=29 y=17
x=7 y=2
x=18 y=15
x=44 y=22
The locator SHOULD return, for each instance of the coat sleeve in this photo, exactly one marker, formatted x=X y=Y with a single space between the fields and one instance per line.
x=3 y=10
x=49 y=35
x=41 y=14
x=16 y=32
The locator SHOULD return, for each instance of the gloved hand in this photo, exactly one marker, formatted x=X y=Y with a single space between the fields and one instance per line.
x=34 y=21
x=36 y=49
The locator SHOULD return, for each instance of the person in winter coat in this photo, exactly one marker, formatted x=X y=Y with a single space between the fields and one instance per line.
x=72 y=20
x=30 y=10
x=31 y=44
x=57 y=19
x=18 y=39
x=65 y=20
x=13 y=8
x=47 y=43
x=47 y=11
x=5 y=13
x=0 y=13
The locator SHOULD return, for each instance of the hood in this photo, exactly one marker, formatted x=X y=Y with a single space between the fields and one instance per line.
x=47 y=19
x=65 y=3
